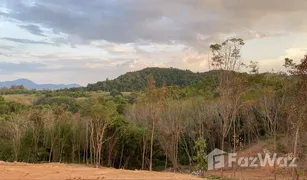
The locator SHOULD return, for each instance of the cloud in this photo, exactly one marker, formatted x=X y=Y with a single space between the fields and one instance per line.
x=6 y=50
x=137 y=64
x=80 y=71
x=5 y=54
x=71 y=67
x=160 y=21
x=26 y=41
x=10 y=68
x=115 y=48
x=267 y=65
x=34 y=29
x=5 y=47
x=104 y=38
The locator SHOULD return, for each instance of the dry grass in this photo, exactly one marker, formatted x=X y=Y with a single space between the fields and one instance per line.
x=99 y=94
x=20 y=98
x=104 y=94
x=125 y=94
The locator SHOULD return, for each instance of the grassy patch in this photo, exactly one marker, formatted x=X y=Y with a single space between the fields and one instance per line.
x=20 y=98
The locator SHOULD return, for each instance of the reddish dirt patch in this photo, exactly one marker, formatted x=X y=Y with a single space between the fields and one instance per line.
x=23 y=171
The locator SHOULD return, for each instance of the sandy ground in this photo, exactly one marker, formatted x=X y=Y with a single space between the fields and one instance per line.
x=54 y=171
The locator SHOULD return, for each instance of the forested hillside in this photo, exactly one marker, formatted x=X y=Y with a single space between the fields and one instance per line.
x=136 y=81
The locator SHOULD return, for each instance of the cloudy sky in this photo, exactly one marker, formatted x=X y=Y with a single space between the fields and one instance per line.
x=84 y=41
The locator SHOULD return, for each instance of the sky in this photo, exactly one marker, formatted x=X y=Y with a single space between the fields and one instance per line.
x=85 y=41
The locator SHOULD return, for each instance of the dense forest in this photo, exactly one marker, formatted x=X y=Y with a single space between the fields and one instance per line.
x=137 y=81
x=169 y=121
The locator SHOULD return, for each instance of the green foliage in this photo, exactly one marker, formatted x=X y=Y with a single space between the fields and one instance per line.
x=121 y=103
x=201 y=155
x=3 y=106
x=226 y=56
x=115 y=92
x=98 y=108
x=67 y=101
x=137 y=81
x=15 y=90
x=7 y=108
x=300 y=172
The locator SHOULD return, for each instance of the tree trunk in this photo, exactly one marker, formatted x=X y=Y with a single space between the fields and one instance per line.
x=186 y=149
x=100 y=136
x=110 y=157
x=295 y=149
x=110 y=152
x=175 y=155
x=50 y=153
x=73 y=153
x=275 y=173
x=234 y=147
x=98 y=160
x=151 y=145
x=121 y=156
x=86 y=147
x=222 y=148
x=144 y=151
x=165 y=166
x=92 y=145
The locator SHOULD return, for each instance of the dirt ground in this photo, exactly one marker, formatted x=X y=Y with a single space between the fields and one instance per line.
x=54 y=171
x=254 y=174
x=264 y=173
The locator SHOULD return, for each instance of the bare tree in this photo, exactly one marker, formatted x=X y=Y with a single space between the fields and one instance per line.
x=270 y=105
x=37 y=125
x=50 y=134
x=299 y=107
x=17 y=126
x=150 y=108
x=154 y=104
x=99 y=113
x=169 y=129
x=227 y=59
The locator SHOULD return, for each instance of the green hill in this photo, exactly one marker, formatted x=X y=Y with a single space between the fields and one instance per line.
x=137 y=80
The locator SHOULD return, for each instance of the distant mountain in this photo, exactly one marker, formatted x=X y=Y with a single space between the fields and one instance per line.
x=31 y=85
x=136 y=81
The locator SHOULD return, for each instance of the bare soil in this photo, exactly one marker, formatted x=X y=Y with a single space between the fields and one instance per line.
x=263 y=173
x=54 y=171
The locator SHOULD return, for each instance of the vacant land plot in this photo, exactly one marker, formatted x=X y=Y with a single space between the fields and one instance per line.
x=23 y=171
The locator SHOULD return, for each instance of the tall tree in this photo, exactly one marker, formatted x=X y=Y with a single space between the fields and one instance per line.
x=100 y=112
x=226 y=58
x=299 y=108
